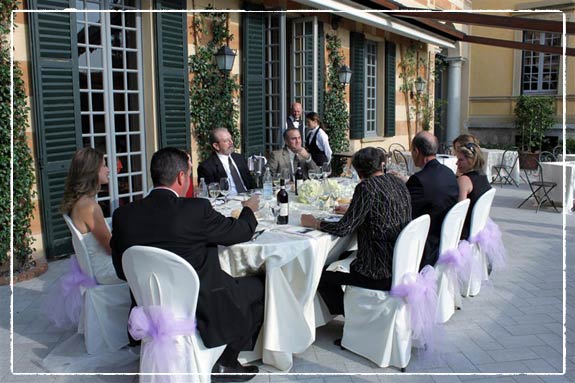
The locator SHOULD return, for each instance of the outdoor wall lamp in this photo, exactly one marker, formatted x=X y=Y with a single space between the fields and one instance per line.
x=344 y=74
x=419 y=85
x=225 y=58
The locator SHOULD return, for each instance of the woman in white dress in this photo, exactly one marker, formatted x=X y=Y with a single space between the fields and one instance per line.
x=88 y=171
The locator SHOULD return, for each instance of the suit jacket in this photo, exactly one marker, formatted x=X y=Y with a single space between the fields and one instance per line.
x=279 y=160
x=212 y=170
x=192 y=229
x=433 y=191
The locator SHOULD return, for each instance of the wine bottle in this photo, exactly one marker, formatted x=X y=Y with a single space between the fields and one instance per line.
x=284 y=204
x=298 y=178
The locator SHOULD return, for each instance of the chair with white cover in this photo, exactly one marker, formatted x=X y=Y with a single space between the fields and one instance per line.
x=479 y=217
x=377 y=326
x=158 y=277
x=104 y=317
x=447 y=299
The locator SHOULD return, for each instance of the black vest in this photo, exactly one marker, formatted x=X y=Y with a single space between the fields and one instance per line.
x=317 y=154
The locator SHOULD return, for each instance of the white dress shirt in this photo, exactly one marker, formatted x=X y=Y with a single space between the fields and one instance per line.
x=225 y=163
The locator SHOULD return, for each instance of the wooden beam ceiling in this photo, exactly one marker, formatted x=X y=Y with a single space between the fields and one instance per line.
x=491 y=21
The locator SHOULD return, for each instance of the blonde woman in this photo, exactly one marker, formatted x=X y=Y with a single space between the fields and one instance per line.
x=88 y=171
x=471 y=181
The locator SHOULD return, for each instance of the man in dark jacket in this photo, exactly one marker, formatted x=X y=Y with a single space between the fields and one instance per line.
x=433 y=191
x=229 y=310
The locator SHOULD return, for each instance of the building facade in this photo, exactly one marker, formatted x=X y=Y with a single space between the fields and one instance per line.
x=113 y=74
x=494 y=88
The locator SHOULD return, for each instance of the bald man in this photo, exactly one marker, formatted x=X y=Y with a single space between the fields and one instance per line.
x=433 y=191
x=294 y=120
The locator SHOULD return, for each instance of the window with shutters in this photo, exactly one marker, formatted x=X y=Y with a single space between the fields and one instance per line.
x=274 y=83
x=371 y=88
x=110 y=73
x=541 y=70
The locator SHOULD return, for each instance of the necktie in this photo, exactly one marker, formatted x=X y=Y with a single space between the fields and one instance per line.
x=236 y=177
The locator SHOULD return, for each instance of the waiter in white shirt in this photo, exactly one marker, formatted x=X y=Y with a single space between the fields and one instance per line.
x=225 y=163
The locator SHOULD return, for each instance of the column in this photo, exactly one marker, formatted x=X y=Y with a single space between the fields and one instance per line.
x=453 y=99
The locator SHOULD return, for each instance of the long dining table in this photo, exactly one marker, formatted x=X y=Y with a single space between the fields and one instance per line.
x=292 y=258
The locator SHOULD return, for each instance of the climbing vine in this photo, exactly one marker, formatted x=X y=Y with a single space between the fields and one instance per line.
x=213 y=94
x=336 y=116
x=23 y=179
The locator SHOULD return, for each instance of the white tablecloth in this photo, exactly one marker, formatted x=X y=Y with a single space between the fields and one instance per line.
x=564 y=191
x=447 y=160
x=493 y=158
x=293 y=265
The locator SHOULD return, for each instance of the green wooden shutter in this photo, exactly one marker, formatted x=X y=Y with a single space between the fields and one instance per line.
x=172 y=79
x=357 y=86
x=56 y=114
x=390 y=65
x=321 y=69
x=253 y=90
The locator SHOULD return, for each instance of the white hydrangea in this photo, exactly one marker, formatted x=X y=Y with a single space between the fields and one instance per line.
x=308 y=188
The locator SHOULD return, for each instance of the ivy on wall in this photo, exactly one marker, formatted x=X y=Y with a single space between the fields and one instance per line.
x=213 y=94
x=336 y=116
x=22 y=159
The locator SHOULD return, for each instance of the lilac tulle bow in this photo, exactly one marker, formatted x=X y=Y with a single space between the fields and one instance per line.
x=490 y=241
x=158 y=326
x=457 y=266
x=64 y=303
x=420 y=292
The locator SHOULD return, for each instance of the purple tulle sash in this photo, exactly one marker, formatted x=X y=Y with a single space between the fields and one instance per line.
x=457 y=263
x=490 y=241
x=420 y=293
x=158 y=326
x=64 y=303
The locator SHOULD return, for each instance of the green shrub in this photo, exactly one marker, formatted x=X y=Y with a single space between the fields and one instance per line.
x=335 y=117
x=23 y=179
x=534 y=115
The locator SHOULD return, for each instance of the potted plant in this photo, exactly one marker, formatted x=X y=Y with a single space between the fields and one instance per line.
x=534 y=115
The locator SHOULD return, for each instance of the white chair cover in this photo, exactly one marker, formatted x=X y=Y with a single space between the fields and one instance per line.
x=377 y=326
x=160 y=278
x=479 y=216
x=104 y=317
x=451 y=229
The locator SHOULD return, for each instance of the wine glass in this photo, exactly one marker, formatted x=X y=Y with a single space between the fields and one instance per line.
x=214 y=191
x=286 y=176
x=276 y=181
x=225 y=188
x=326 y=169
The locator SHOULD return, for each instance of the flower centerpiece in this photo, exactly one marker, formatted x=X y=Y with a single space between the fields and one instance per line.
x=309 y=191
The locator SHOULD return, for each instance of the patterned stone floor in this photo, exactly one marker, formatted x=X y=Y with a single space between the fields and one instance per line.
x=512 y=328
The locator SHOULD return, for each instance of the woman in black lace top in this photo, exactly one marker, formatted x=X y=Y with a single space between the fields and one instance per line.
x=379 y=210
x=472 y=182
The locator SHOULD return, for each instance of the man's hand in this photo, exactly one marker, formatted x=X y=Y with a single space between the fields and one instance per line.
x=253 y=203
x=303 y=154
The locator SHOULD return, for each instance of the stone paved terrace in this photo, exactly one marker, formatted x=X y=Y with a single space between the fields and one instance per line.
x=514 y=326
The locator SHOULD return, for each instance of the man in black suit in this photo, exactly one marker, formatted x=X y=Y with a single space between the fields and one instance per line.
x=225 y=163
x=433 y=191
x=230 y=310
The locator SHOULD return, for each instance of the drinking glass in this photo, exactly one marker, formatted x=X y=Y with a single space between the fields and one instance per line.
x=214 y=191
x=276 y=181
x=275 y=208
x=286 y=176
x=326 y=169
x=225 y=188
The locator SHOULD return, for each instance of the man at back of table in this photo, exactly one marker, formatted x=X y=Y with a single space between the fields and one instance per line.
x=433 y=191
x=229 y=310
x=291 y=156
x=224 y=163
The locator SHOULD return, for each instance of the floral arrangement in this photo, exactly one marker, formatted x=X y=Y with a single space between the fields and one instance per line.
x=309 y=188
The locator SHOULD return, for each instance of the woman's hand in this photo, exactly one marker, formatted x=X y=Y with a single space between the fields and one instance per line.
x=308 y=220
x=341 y=209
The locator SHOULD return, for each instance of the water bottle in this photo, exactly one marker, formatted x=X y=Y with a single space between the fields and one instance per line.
x=203 y=193
x=354 y=176
x=268 y=184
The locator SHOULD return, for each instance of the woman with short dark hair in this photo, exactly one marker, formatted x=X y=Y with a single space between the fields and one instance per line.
x=379 y=210
x=317 y=141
